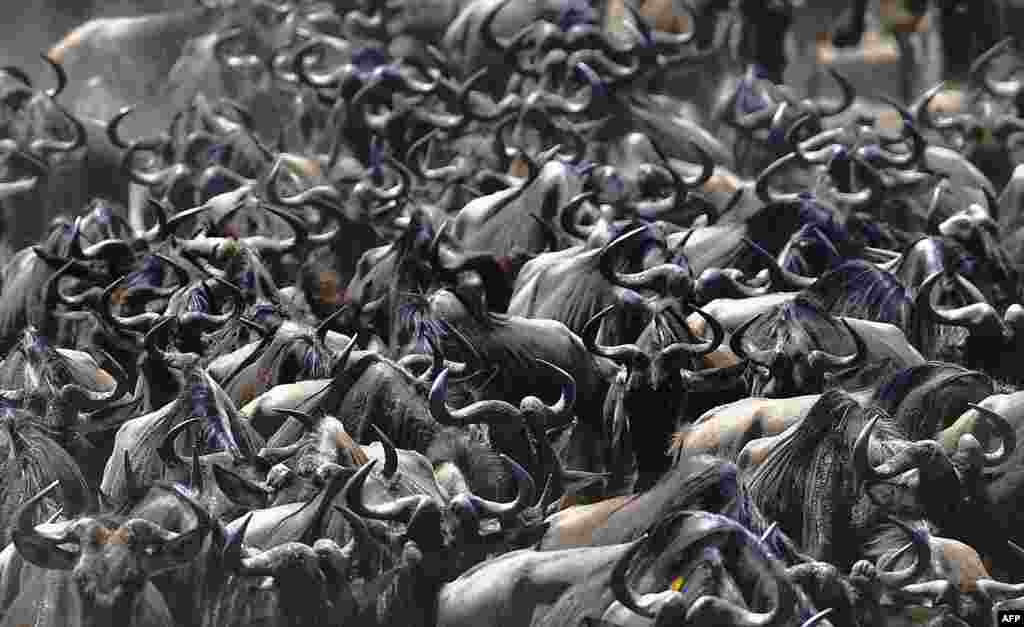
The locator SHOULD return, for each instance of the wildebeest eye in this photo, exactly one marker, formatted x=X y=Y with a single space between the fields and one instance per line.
x=152 y=550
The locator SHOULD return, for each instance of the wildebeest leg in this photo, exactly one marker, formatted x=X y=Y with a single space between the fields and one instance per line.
x=850 y=27
x=762 y=40
x=809 y=55
x=137 y=207
x=26 y=218
x=977 y=20
x=908 y=65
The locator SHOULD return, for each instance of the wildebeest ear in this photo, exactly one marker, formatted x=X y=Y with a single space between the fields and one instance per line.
x=530 y=536
x=240 y=490
x=180 y=550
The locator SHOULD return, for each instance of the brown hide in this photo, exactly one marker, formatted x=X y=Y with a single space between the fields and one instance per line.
x=722 y=182
x=726 y=426
x=895 y=16
x=518 y=168
x=719 y=358
x=71 y=41
x=755 y=452
x=961 y=564
x=575 y=526
x=661 y=14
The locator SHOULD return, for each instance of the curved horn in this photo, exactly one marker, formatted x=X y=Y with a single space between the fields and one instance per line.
x=978 y=316
x=623 y=593
x=317 y=194
x=149 y=179
x=817 y=618
x=487 y=26
x=1006 y=431
x=481 y=411
x=524 y=494
x=166 y=451
x=762 y=189
x=707 y=167
x=562 y=409
x=114 y=124
x=785 y=278
x=399 y=509
x=910 y=457
x=390 y=454
x=677 y=279
x=670 y=353
x=567 y=215
x=62 y=77
x=39 y=547
x=825 y=361
x=84 y=398
x=845 y=100
x=42 y=146
x=994 y=591
x=979 y=75
x=899 y=578
x=626 y=353
x=911 y=134
x=139 y=322
x=738 y=346
x=17 y=73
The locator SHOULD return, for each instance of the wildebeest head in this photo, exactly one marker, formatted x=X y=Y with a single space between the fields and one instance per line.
x=980 y=123
x=64 y=386
x=227 y=486
x=32 y=115
x=797 y=344
x=766 y=115
x=571 y=286
x=859 y=289
x=508 y=421
x=984 y=259
x=32 y=460
x=113 y=558
x=925 y=399
x=222 y=428
x=233 y=57
x=287 y=352
x=26 y=280
x=703 y=565
x=938 y=488
x=990 y=335
x=835 y=435
x=658 y=371
x=434 y=526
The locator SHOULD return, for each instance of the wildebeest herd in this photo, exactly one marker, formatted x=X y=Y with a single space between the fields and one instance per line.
x=495 y=313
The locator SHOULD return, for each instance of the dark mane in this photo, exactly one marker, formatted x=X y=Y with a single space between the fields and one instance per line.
x=35 y=461
x=815 y=253
x=860 y=290
x=940 y=254
x=777 y=485
x=821 y=442
x=800 y=320
x=925 y=399
x=415 y=326
x=776 y=223
x=484 y=471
